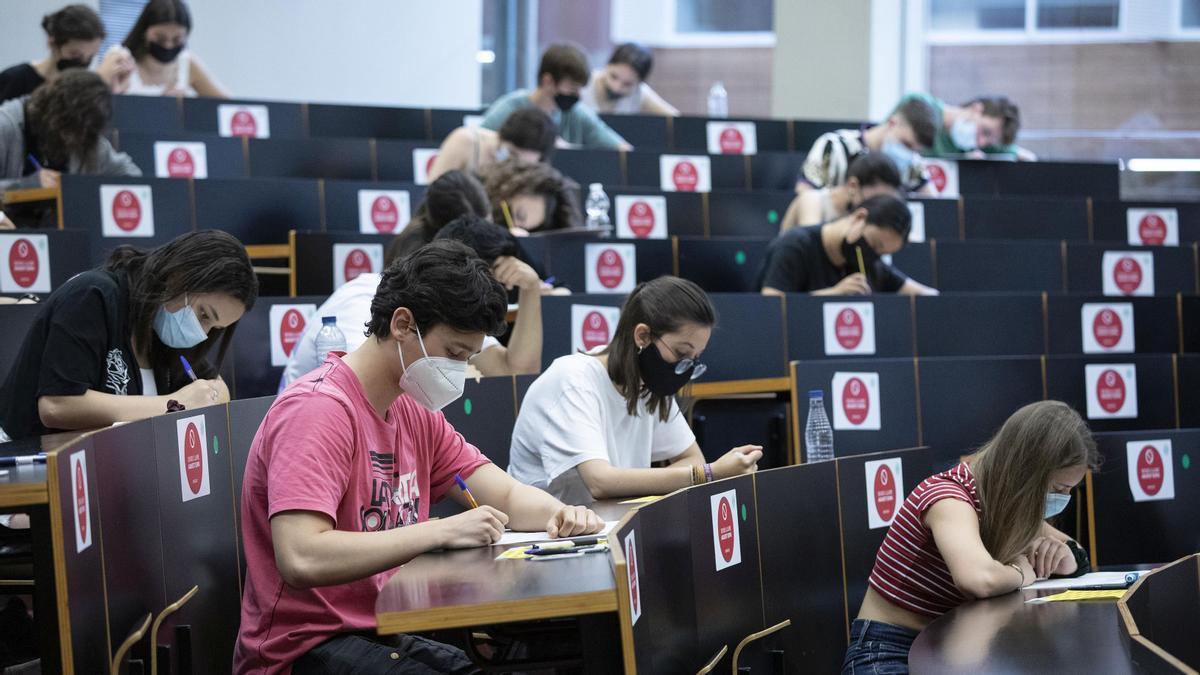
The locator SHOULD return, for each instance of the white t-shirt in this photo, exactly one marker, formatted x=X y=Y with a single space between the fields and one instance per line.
x=183 y=80
x=351 y=304
x=149 y=385
x=573 y=413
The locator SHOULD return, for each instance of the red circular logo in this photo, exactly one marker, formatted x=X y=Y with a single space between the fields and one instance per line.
x=595 y=330
x=357 y=262
x=848 y=328
x=938 y=175
x=640 y=219
x=631 y=561
x=1150 y=470
x=610 y=269
x=23 y=263
x=429 y=164
x=1127 y=275
x=1107 y=328
x=1110 y=390
x=1152 y=229
x=180 y=164
x=193 y=458
x=243 y=124
x=384 y=214
x=731 y=141
x=81 y=501
x=127 y=210
x=290 y=330
x=685 y=176
x=885 y=492
x=725 y=529
x=856 y=402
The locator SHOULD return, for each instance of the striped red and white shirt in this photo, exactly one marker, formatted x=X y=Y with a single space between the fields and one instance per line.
x=909 y=570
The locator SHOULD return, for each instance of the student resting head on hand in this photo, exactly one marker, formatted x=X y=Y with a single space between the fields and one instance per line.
x=528 y=136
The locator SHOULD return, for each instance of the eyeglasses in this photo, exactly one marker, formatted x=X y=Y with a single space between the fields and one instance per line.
x=682 y=365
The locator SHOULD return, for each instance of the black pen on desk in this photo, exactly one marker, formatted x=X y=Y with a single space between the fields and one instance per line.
x=187 y=368
x=22 y=460
x=566 y=544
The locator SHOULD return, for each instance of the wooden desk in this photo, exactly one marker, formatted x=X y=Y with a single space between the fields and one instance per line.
x=27 y=485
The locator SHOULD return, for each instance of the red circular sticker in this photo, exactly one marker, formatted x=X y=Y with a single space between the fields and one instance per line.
x=1127 y=275
x=848 y=328
x=127 y=210
x=384 y=214
x=429 y=164
x=1110 y=390
x=631 y=561
x=595 y=330
x=180 y=164
x=290 y=330
x=610 y=269
x=685 y=176
x=243 y=124
x=938 y=175
x=23 y=263
x=725 y=529
x=885 y=492
x=1150 y=470
x=1152 y=229
x=1107 y=328
x=640 y=219
x=193 y=458
x=81 y=501
x=357 y=262
x=731 y=141
x=856 y=401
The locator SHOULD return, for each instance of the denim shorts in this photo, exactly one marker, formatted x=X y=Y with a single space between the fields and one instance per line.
x=877 y=648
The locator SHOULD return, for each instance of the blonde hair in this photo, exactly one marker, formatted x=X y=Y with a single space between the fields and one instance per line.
x=1013 y=469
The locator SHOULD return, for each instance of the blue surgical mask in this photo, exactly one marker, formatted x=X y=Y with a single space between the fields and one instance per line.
x=179 y=329
x=902 y=156
x=963 y=133
x=1055 y=503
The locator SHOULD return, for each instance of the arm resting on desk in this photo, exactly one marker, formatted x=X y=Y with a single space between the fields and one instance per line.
x=93 y=409
x=528 y=508
x=605 y=481
x=955 y=528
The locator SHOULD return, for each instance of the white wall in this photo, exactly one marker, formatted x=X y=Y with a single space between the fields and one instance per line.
x=21 y=36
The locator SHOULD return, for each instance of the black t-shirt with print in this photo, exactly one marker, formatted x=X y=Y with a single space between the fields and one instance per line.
x=79 y=341
x=796 y=262
x=19 y=80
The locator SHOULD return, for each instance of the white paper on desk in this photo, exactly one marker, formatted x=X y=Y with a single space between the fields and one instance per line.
x=1091 y=579
x=516 y=538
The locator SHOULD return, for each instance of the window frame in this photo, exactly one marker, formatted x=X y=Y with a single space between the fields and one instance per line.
x=1032 y=34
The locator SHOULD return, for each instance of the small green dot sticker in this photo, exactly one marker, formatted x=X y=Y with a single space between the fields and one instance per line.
x=743 y=511
x=216 y=446
x=467 y=405
x=772 y=216
x=1186 y=461
x=740 y=257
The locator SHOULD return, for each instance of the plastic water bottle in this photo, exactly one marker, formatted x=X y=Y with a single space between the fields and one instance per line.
x=718 y=100
x=329 y=338
x=818 y=435
x=597 y=209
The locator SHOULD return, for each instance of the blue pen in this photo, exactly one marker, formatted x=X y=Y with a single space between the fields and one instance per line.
x=187 y=368
x=462 y=485
x=23 y=460
x=36 y=164
x=551 y=279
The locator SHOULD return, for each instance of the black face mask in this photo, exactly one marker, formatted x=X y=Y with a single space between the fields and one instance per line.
x=612 y=95
x=566 y=101
x=67 y=64
x=658 y=375
x=163 y=54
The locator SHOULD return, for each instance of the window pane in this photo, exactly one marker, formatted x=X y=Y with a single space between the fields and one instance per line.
x=969 y=15
x=1078 y=13
x=1191 y=13
x=719 y=16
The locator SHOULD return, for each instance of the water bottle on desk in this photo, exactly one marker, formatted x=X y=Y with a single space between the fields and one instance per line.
x=718 y=101
x=818 y=435
x=329 y=338
x=597 y=210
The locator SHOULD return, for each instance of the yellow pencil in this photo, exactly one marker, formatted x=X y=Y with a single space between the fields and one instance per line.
x=861 y=267
x=507 y=215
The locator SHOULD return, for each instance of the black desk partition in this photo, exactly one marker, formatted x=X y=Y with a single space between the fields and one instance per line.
x=806 y=132
x=1174 y=267
x=890 y=317
x=1189 y=317
x=1054 y=218
x=723 y=264
x=747 y=214
x=485 y=416
x=1066 y=381
x=314 y=259
x=747 y=342
x=260 y=211
x=1155 y=325
x=444 y=121
x=728 y=171
x=149 y=114
x=566 y=258
x=363 y=121
x=340 y=158
x=342 y=209
x=1110 y=219
x=394 y=159
x=593 y=166
x=1100 y=180
x=963 y=401
x=558 y=330
x=685 y=210
x=253 y=374
x=776 y=171
x=68 y=252
x=1188 y=373
x=83 y=207
x=285 y=120
x=690 y=134
x=896 y=402
x=916 y=261
x=999 y=266
x=979 y=325
x=942 y=218
x=644 y=132
x=224 y=157
x=245 y=416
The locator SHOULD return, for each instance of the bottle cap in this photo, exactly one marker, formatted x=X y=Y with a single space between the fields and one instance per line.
x=595 y=186
x=816 y=393
x=329 y=321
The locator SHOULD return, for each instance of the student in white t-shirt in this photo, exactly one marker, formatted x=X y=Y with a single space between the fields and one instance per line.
x=593 y=423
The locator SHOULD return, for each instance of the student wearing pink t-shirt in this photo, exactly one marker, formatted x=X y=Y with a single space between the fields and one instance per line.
x=346 y=463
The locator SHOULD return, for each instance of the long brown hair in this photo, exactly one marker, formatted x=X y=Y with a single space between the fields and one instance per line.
x=1013 y=469
x=513 y=178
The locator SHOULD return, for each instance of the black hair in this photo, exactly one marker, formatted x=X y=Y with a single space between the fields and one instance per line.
x=487 y=239
x=890 y=212
x=635 y=56
x=207 y=261
x=73 y=22
x=564 y=61
x=443 y=282
x=665 y=305
x=1003 y=108
x=873 y=168
x=66 y=117
x=922 y=117
x=531 y=129
x=156 y=12
x=453 y=194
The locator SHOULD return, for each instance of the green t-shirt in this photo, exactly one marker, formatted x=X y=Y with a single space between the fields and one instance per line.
x=943 y=146
x=579 y=125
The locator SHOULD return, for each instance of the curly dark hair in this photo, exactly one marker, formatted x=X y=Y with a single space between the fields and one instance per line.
x=67 y=116
x=513 y=178
x=73 y=22
x=453 y=195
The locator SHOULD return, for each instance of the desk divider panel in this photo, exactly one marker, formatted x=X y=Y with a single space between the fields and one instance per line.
x=594 y=166
x=806 y=132
x=1187 y=372
x=942 y=218
x=161 y=113
x=690 y=134
x=1066 y=381
x=341 y=202
x=979 y=325
x=1167 y=613
x=1174 y=267
x=314 y=259
x=1155 y=326
x=566 y=258
x=963 y=401
x=747 y=214
x=916 y=261
x=366 y=121
x=1110 y=219
x=258 y=211
x=1189 y=317
x=1099 y=180
x=444 y=121
x=224 y=157
x=1054 y=218
x=558 y=328
x=777 y=171
x=287 y=120
x=253 y=374
x=729 y=172
x=891 y=320
x=747 y=342
x=394 y=159
x=485 y=416
x=82 y=208
x=334 y=158
x=645 y=132
x=722 y=264
x=999 y=266
x=896 y=401
x=685 y=210
x=71 y=252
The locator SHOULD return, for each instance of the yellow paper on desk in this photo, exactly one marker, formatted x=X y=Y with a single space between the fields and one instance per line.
x=643 y=500
x=1068 y=596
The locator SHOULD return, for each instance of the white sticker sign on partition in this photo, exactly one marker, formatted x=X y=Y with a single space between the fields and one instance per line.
x=288 y=323
x=83 y=503
x=351 y=260
x=641 y=217
x=1152 y=227
x=126 y=211
x=611 y=268
x=472 y=121
x=193 y=457
x=592 y=326
x=180 y=160
x=943 y=176
x=732 y=138
x=1107 y=327
x=631 y=567
x=849 y=328
x=383 y=211
x=1111 y=391
x=727 y=542
x=252 y=121
x=1128 y=273
x=917 y=232
x=423 y=159
x=26 y=263
x=1151 y=470
x=885 y=491
x=685 y=173
x=856 y=402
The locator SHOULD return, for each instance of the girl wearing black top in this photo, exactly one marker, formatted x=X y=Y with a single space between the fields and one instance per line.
x=105 y=347
x=73 y=34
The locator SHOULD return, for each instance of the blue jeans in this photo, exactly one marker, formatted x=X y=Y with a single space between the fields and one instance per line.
x=357 y=654
x=877 y=648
